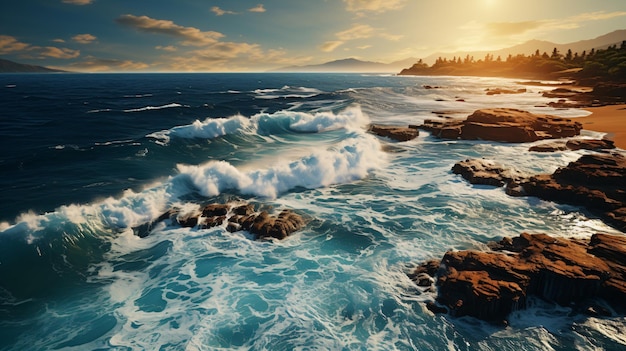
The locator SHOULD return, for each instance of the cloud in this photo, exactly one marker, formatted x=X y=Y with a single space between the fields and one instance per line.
x=219 y=12
x=9 y=44
x=597 y=16
x=330 y=46
x=84 y=38
x=190 y=35
x=376 y=6
x=258 y=8
x=59 y=53
x=358 y=31
x=58 y=40
x=78 y=2
x=169 y=48
x=512 y=28
x=363 y=47
x=94 y=64
x=229 y=56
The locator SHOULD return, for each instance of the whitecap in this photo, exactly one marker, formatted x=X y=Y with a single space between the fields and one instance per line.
x=148 y=108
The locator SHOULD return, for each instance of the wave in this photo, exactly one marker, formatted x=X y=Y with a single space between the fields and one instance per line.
x=148 y=108
x=266 y=123
x=351 y=160
x=287 y=92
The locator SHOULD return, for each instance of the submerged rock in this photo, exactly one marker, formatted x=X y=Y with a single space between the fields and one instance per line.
x=237 y=216
x=490 y=285
x=398 y=133
x=504 y=125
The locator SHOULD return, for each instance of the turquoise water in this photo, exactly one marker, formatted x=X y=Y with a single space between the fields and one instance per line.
x=87 y=157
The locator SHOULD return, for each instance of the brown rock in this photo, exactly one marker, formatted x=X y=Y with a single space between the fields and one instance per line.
x=595 y=181
x=549 y=147
x=397 y=133
x=504 y=125
x=481 y=171
x=490 y=285
x=590 y=144
x=238 y=217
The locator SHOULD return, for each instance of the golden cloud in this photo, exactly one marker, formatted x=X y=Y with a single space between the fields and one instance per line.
x=190 y=35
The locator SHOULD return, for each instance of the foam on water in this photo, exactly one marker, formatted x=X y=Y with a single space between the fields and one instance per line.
x=266 y=123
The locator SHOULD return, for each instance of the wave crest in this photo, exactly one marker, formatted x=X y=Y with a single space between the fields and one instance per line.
x=351 y=160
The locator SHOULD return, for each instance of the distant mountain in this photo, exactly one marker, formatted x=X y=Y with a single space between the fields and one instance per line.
x=352 y=65
x=7 y=66
x=529 y=47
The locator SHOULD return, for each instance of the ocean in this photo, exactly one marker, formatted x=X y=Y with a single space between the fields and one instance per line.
x=87 y=157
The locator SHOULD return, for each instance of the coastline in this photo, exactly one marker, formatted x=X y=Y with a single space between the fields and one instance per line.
x=610 y=119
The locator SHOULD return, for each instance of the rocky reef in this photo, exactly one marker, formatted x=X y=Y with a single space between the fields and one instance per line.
x=397 y=133
x=504 y=125
x=595 y=181
x=490 y=285
x=237 y=216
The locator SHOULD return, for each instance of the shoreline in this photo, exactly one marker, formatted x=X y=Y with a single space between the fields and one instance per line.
x=610 y=119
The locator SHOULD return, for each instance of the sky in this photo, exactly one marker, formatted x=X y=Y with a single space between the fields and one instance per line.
x=260 y=35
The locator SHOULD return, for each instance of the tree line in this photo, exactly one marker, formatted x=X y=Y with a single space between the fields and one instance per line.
x=606 y=64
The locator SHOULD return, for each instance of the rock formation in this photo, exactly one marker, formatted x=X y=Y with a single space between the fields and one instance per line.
x=237 y=217
x=481 y=171
x=594 y=181
x=504 y=125
x=490 y=285
x=398 y=133
x=497 y=91
x=574 y=144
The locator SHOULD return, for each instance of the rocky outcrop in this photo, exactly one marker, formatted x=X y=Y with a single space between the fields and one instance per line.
x=594 y=181
x=497 y=91
x=481 y=171
x=574 y=144
x=601 y=95
x=504 y=125
x=490 y=285
x=398 y=133
x=237 y=217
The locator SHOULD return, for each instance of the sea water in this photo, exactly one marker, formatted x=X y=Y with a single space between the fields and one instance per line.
x=87 y=157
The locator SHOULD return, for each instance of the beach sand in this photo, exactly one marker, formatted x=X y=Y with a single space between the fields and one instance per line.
x=608 y=119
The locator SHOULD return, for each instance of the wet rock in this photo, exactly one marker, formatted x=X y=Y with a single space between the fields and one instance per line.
x=237 y=217
x=433 y=307
x=486 y=172
x=504 y=125
x=595 y=181
x=590 y=144
x=397 y=133
x=497 y=91
x=490 y=285
x=549 y=147
x=574 y=144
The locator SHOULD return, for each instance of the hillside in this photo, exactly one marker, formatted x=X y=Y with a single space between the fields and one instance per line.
x=7 y=66
x=529 y=47
x=351 y=65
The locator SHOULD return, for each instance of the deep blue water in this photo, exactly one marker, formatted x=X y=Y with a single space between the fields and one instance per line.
x=86 y=157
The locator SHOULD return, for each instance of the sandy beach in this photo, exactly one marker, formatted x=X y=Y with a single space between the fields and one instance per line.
x=609 y=119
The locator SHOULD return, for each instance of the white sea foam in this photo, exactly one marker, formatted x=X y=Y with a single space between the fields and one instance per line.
x=349 y=161
x=303 y=122
x=287 y=92
x=148 y=108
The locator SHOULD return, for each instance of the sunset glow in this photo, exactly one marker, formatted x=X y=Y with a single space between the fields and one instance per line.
x=117 y=35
